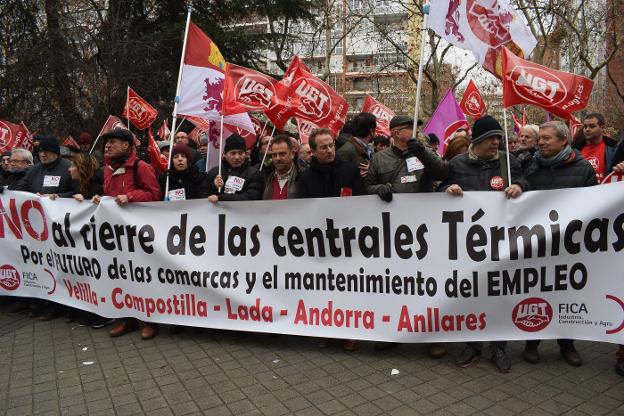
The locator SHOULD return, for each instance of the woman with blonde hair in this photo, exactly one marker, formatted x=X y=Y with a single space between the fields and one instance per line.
x=456 y=146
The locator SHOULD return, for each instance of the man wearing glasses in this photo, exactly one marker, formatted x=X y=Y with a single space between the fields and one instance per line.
x=19 y=163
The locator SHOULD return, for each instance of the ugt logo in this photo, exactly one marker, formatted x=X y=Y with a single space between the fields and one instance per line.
x=532 y=314
x=256 y=91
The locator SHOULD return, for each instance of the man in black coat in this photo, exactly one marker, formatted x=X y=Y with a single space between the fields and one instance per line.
x=328 y=176
x=239 y=180
x=484 y=168
x=50 y=176
x=556 y=165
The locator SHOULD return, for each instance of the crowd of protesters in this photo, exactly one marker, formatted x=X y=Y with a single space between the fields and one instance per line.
x=356 y=162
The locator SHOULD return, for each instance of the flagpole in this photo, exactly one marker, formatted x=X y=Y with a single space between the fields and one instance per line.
x=220 y=149
x=507 y=144
x=209 y=145
x=267 y=148
x=127 y=105
x=420 y=65
x=177 y=99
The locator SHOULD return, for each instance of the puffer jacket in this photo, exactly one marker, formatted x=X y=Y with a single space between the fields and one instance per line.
x=574 y=172
x=477 y=175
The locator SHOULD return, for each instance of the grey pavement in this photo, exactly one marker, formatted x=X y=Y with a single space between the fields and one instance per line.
x=57 y=368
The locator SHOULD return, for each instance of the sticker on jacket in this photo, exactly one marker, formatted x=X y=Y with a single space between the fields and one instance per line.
x=177 y=195
x=414 y=164
x=234 y=184
x=51 y=181
x=408 y=179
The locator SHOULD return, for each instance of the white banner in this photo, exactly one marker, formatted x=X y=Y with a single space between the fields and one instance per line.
x=422 y=268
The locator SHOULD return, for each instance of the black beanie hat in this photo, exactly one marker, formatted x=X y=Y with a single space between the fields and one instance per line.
x=48 y=144
x=234 y=142
x=486 y=127
x=118 y=133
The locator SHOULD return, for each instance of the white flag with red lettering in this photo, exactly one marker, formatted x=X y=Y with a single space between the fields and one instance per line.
x=483 y=27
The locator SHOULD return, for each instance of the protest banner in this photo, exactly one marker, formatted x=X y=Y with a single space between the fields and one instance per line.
x=425 y=268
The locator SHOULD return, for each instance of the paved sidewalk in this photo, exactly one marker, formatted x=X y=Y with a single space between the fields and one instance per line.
x=58 y=368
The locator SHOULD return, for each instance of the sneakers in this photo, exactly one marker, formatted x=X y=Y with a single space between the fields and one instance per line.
x=571 y=356
x=531 y=354
x=468 y=356
x=619 y=368
x=500 y=360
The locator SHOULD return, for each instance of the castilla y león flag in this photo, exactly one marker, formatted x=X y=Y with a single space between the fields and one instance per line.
x=383 y=114
x=138 y=111
x=558 y=92
x=472 y=103
x=12 y=136
x=249 y=90
x=202 y=82
x=319 y=103
x=483 y=27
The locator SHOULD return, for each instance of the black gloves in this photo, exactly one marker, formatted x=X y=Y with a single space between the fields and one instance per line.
x=385 y=193
x=415 y=147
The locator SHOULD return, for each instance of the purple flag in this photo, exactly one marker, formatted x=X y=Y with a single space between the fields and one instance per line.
x=446 y=120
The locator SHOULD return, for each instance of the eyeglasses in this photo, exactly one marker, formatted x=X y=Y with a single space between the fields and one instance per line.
x=17 y=161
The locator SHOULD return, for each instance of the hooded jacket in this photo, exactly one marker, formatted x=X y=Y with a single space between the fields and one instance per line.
x=611 y=146
x=119 y=179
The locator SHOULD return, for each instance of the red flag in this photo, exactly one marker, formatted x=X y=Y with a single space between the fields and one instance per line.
x=158 y=161
x=196 y=133
x=517 y=124
x=558 y=92
x=383 y=114
x=249 y=90
x=71 y=143
x=138 y=111
x=319 y=103
x=163 y=131
x=113 y=122
x=13 y=136
x=472 y=103
x=305 y=127
x=258 y=126
x=574 y=124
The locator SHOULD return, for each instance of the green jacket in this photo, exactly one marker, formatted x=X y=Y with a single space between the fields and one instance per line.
x=390 y=167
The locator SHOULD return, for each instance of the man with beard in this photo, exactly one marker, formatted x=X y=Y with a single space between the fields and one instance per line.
x=239 y=180
x=281 y=182
x=21 y=160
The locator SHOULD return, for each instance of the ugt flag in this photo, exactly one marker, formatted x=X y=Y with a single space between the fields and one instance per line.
x=13 y=136
x=483 y=27
x=318 y=103
x=249 y=90
x=472 y=103
x=138 y=111
x=71 y=143
x=446 y=120
x=383 y=114
x=203 y=79
x=557 y=92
